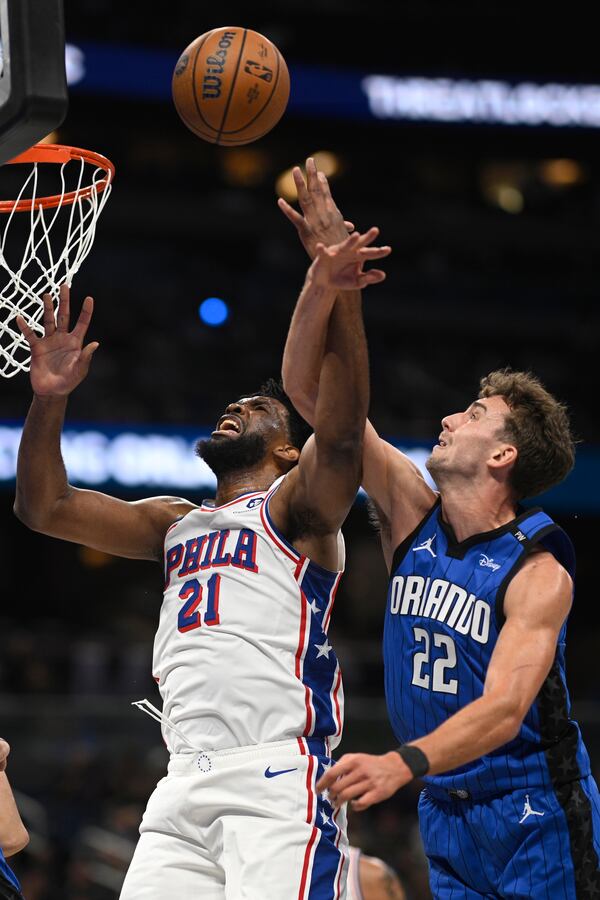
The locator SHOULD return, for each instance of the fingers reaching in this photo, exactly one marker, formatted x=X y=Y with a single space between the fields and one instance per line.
x=312 y=176
x=84 y=319
x=372 y=276
x=27 y=332
x=88 y=352
x=48 y=319
x=290 y=213
x=64 y=312
x=304 y=198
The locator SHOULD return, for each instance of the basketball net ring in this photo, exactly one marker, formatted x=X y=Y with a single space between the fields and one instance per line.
x=42 y=269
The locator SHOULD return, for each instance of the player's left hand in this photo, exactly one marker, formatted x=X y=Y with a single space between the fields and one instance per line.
x=363 y=779
x=321 y=221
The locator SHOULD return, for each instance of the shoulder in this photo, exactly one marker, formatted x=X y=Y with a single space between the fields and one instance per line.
x=164 y=511
x=542 y=565
x=378 y=881
x=541 y=589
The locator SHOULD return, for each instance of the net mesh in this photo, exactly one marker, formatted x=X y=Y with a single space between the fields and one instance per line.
x=58 y=239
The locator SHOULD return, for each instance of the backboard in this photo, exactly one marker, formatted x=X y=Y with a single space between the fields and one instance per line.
x=33 y=85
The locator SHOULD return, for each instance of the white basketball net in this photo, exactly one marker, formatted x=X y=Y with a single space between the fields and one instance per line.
x=49 y=259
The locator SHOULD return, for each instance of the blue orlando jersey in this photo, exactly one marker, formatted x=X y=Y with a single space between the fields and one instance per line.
x=8 y=879
x=443 y=618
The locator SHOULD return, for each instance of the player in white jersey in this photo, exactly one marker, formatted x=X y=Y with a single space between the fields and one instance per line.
x=252 y=694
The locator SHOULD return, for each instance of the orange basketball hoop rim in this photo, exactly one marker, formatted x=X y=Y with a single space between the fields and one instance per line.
x=60 y=154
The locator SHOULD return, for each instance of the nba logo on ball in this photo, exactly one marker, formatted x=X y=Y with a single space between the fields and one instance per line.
x=231 y=86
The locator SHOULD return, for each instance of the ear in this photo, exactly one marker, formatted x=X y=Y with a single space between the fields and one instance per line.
x=286 y=454
x=503 y=456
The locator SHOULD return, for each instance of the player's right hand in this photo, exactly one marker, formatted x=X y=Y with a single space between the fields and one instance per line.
x=321 y=221
x=59 y=361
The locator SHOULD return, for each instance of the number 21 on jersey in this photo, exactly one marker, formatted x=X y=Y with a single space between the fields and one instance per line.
x=192 y=592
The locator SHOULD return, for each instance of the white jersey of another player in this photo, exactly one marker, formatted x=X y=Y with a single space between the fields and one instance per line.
x=241 y=655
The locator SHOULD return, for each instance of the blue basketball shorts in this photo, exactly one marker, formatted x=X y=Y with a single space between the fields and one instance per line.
x=531 y=844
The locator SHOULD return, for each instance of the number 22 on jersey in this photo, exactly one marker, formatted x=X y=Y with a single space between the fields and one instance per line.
x=190 y=616
x=436 y=676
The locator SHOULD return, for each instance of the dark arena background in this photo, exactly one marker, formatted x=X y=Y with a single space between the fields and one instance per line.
x=470 y=135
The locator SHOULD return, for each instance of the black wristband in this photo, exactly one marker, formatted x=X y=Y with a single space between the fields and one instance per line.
x=415 y=759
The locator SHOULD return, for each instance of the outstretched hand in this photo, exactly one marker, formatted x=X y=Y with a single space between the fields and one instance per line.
x=59 y=361
x=321 y=221
x=341 y=265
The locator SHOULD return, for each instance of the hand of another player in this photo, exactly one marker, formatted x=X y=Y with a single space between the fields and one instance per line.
x=4 y=751
x=363 y=779
x=59 y=361
x=341 y=265
x=321 y=221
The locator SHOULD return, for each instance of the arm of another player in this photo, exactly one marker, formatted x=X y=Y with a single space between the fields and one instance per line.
x=536 y=605
x=401 y=494
x=321 y=489
x=13 y=834
x=45 y=501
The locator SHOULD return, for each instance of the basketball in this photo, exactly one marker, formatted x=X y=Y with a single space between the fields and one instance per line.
x=231 y=86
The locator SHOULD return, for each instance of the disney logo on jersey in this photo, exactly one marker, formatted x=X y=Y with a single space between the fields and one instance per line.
x=488 y=563
x=441 y=601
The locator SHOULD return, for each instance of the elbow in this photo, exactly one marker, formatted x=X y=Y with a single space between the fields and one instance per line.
x=510 y=719
x=17 y=841
x=512 y=726
x=27 y=516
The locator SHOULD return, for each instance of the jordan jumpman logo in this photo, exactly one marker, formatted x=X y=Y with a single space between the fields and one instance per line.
x=528 y=811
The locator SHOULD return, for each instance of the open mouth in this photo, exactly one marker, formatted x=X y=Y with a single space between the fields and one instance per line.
x=229 y=423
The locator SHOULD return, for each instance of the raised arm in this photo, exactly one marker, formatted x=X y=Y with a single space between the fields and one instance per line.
x=315 y=498
x=45 y=501
x=536 y=605
x=394 y=483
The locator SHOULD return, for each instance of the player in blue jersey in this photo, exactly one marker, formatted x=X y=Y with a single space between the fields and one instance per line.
x=13 y=834
x=474 y=640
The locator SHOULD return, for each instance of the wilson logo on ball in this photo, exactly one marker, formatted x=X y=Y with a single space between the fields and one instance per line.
x=215 y=66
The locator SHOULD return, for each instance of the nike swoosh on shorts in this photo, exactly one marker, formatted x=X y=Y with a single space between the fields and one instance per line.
x=269 y=774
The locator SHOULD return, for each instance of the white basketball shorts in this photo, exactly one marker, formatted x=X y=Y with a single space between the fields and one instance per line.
x=242 y=824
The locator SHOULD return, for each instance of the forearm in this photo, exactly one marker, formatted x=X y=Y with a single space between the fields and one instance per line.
x=13 y=834
x=305 y=346
x=477 y=729
x=343 y=394
x=41 y=475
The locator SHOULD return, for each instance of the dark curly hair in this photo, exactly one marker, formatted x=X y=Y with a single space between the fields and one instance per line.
x=298 y=429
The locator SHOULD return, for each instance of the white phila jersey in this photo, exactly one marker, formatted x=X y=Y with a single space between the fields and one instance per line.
x=241 y=655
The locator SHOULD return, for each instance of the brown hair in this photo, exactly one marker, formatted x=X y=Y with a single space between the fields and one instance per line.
x=539 y=427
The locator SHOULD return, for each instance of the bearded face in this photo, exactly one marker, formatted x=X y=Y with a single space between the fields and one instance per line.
x=243 y=435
